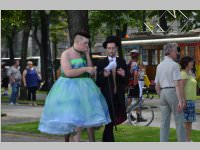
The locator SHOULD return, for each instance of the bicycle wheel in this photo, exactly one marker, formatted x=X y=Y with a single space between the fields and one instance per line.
x=147 y=114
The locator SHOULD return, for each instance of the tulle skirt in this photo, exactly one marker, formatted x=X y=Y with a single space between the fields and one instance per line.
x=71 y=103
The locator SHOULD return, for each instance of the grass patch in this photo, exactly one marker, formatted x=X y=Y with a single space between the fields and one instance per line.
x=197 y=110
x=41 y=92
x=124 y=133
x=30 y=127
x=198 y=97
x=38 y=91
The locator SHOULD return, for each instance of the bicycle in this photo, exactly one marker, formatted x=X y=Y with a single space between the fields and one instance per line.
x=146 y=111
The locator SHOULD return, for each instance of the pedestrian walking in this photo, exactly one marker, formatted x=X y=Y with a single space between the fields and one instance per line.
x=31 y=80
x=136 y=83
x=15 y=81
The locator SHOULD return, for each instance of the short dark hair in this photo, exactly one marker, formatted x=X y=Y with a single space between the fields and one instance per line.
x=82 y=33
x=15 y=61
x=134 y=56
x=111 y=39
x=185 y=61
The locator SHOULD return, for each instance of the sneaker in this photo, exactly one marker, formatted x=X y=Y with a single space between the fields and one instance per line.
x=132 y=118
x=141 y=119
x=5 y=94
x=34 y=104
x=11 y=103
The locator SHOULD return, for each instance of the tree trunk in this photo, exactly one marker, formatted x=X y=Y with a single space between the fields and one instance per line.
x=124 y=31
x=143 y=21
x=43 y=47
x=120 y=47
x=11 y=52
x=162 y=20
x=38 y=42
x=35 y=37
x=120 y=34
x=41 y=50
x=10 y=46
x=77 y=21
x=26 y=33
x=46 y=52
x=55 y=56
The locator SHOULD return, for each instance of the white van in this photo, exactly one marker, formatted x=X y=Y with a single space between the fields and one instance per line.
x=35 y=59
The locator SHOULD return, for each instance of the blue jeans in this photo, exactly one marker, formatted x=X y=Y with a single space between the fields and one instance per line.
x=14 y=95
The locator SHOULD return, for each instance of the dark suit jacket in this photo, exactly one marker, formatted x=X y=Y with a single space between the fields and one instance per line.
x=116 y=102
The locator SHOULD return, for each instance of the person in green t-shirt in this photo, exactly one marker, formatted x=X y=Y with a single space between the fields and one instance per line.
x=189 y=90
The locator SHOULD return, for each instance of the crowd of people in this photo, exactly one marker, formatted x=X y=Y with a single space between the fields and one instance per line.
x=76 y=101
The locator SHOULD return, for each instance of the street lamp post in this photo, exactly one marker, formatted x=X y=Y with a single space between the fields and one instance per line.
x=50 y=65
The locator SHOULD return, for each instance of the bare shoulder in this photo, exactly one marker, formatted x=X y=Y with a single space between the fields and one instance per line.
x=66 y=52
x=24 y=71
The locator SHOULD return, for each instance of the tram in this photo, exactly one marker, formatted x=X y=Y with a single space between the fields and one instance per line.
x=151 y=49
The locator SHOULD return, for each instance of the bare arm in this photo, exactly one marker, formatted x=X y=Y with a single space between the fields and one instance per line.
x=24 y=77
x=183 y=82
x=157 y=82
x=131 y=68
x=11 y=78
x=157 y=87
x=181 y=104
x=38 y=74
x=178 y=90
x=89 y=61
x=135 y=78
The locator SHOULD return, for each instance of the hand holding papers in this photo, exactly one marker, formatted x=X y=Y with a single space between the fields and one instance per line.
x=111 y=66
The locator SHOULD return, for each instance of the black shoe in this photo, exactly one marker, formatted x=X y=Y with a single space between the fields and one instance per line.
x=140 y=119
x=132 y=118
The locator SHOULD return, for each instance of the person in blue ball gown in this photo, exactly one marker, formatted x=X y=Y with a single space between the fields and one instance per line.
x=74 y=101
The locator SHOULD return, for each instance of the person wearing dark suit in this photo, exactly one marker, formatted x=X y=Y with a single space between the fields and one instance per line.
x=112 y=78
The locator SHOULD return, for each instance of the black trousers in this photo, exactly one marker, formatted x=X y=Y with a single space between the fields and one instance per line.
x=108 y=135
x=32 y=93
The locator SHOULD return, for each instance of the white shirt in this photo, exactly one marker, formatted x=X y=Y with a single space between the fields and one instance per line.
x=15 y=73
x=112 y=63
x=168 y=71
x=111 y=59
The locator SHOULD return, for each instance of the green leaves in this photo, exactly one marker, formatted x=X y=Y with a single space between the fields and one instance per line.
x=12 y=20
x=58 y=25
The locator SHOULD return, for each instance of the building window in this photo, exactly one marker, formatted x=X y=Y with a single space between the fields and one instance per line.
x=144 y=56
x=154 y=57
x=162 y=55
x=189 y=51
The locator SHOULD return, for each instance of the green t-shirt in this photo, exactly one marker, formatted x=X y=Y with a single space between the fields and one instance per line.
x=190 y=86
